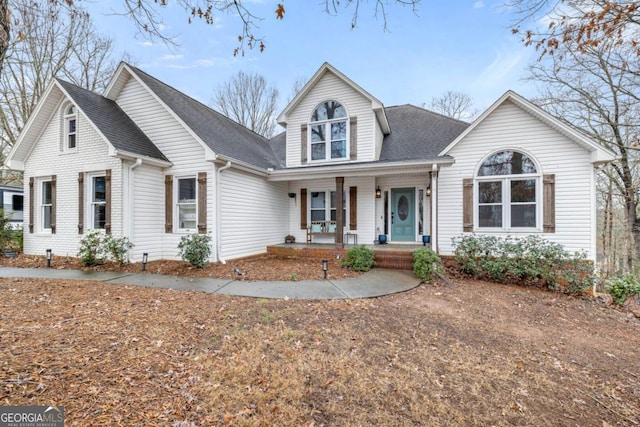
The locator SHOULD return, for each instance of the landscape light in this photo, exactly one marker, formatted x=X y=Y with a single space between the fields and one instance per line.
x=145 y=258
x=325 y=267
x=49 y=256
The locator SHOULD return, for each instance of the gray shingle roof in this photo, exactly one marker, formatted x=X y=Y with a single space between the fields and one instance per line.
x=114 y=123
x=417 y=133
x=221 y=134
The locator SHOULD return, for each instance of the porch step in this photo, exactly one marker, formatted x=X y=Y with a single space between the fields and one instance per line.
x=398 y=260
x=395 y=259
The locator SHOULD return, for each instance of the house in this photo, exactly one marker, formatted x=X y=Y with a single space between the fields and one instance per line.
x=147 y=162
x=11 y=203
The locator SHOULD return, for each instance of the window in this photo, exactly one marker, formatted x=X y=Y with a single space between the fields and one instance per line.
x=508 y=187
x=46 y=205
x=187 y=204
x=98 y=202
x=319 y=210
x=70 y=132
x=329 y=132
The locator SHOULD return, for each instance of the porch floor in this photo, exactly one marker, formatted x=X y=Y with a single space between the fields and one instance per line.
x=397 y=256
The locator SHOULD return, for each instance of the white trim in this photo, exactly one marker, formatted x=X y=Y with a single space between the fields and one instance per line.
x=327 y=124
x=39 y=211
x=417 y=167
x=177 y=204
x=89 y=199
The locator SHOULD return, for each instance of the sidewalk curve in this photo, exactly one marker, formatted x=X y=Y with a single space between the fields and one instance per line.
x=374 y=283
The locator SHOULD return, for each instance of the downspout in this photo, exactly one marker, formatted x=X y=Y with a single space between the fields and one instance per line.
x=219 y=211
x=131 y=196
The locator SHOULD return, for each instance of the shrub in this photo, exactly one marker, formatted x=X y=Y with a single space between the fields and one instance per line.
x=116 y=248
x=91 y=248
x=95 y=246
x=195 y=248
x=427 y=264
x=529 y=258
x=359 y=258
x=623 y=287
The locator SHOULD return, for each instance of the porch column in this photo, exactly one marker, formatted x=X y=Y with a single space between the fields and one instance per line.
x=434 y=208
x=339 y=211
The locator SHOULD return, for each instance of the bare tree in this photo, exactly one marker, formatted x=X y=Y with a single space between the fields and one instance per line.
x=456 y=105
x=592 y=89
x=250 y=101
x=54 y=43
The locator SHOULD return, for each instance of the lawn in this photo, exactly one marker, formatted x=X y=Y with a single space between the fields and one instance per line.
x=457 y=354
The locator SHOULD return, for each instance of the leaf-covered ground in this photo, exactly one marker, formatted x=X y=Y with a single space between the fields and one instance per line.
x=457 y=354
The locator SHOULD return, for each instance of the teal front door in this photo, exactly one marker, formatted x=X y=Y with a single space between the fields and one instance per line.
x=403 y=215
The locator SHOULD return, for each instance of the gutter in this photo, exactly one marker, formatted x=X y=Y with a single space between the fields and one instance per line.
x=219 y=258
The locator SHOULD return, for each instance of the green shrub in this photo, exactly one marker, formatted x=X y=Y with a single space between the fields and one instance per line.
x=359 y=258
x=91 y=250
x=623 y=287
x=529 y=258
x=427 y=264
x=95 y=246
x=195 y=248
x=116 y=248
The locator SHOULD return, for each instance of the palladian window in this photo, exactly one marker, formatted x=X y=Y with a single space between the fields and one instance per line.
x=329 y=132
x=508 y=192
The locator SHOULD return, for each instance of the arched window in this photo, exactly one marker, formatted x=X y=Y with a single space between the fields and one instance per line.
x=508 y=192
x=70 y=128
x=329 y=131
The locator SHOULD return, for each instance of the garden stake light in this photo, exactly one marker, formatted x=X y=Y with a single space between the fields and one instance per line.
x=49 y=255
x=325 y=266
x=145 y=258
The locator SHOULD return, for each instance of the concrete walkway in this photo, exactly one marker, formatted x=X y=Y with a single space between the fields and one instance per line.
x=374 y=283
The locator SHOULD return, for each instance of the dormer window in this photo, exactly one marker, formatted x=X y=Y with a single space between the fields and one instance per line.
x=329 y=132
x=70 y=128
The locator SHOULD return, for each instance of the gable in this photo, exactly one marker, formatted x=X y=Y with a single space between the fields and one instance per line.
x=598 y=153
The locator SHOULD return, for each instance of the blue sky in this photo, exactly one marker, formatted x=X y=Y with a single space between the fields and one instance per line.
x=462 y=45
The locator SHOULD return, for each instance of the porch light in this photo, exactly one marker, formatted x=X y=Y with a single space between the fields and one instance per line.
x=49 y=256
x=378 y=192
x=429 y=191
x=292 y=195
x=325 y=267
x=145 y=259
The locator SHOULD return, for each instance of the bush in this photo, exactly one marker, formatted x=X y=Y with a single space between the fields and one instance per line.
x=530 y=258
x=623 y=287
x=359 y=258
x=116 y=248
x=427 y=264
x=96 y=246
x=91 y=249
x=195 y=248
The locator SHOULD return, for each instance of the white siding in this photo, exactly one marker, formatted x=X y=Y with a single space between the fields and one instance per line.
x=184 y=151
x=148 y=212
x=330 y=87
x=47 y=159
x=509 y=127
x=253 y=214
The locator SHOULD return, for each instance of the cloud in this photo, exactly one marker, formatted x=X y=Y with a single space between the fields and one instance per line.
x=502 y=66
x=478 y=5
x=171 y=57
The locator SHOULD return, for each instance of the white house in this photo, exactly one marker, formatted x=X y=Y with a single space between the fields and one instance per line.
x=148 y=162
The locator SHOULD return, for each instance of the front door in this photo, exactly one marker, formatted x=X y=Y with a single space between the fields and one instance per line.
x=403 y=222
